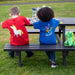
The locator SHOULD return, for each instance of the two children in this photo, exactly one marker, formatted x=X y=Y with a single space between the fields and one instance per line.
x=19 y=34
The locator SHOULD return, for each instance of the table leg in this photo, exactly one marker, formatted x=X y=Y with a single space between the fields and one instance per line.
x=63 y=28
x=59 y=31
x=20 y=58
x=64 y=58
x=67 y=52
x=18 y=53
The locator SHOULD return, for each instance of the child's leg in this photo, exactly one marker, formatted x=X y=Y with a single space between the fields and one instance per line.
x=29 y=53
x=48 y=54
x=51 y=55
x=11 y=53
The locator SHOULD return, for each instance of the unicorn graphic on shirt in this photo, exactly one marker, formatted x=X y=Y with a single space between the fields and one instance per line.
x=16 y=32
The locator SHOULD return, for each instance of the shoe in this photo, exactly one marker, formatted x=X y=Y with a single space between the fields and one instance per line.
x=29 y=55
x=53 y=65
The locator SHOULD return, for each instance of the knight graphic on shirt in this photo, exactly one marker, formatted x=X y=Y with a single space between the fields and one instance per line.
x=49 y=30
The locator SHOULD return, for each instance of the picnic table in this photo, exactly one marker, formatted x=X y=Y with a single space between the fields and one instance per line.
x=38 y=47
x=66 y=22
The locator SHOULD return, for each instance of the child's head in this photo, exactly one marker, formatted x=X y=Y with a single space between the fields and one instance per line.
x=45 y=14
x=14 y=11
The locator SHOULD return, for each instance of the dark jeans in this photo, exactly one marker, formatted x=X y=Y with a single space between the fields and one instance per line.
x=51 y=55
x=11 y=53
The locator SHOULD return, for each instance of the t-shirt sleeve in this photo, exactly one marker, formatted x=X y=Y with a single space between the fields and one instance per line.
x=56 y=23
x=5 y=24
x=26 y=21
x=36 y=25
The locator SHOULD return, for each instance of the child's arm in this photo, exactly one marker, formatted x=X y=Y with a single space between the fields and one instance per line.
x=33 y=22
x=5 y=24
x=36 y=25
x=44 y=30
x=25 y=20
x=57 y=22
x=1 y=23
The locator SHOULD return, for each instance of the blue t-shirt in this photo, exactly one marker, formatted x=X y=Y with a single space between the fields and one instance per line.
x=47 y=31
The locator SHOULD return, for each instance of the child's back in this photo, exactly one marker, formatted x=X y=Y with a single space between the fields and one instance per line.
x=16 y=26
x=19 y=34
x=47 y=26
x=47 y=31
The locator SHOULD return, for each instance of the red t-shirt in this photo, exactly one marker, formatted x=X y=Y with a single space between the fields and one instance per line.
x=16 y=26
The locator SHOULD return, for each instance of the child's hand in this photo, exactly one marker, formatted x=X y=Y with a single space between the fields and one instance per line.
x=35 y=21
x=31 y=24
x=1 y=23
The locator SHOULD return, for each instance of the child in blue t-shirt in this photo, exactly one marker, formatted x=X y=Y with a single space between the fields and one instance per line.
x=47 y=26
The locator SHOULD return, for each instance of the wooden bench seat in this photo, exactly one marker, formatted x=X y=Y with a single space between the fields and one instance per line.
x=38 y=47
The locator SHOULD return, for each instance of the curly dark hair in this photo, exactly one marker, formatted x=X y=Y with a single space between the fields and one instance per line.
x=45 y=14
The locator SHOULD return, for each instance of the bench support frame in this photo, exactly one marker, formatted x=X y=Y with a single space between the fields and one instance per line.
x=64 y=57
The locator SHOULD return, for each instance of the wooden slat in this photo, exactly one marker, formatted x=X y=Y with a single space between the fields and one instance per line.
x=35 y=31
x=38 y=47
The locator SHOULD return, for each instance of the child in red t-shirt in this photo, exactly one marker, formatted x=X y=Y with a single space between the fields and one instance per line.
x=16 y=26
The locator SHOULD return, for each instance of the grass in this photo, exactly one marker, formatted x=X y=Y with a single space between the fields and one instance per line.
x=38 y=64
x=65 y=10
x=24 y=1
